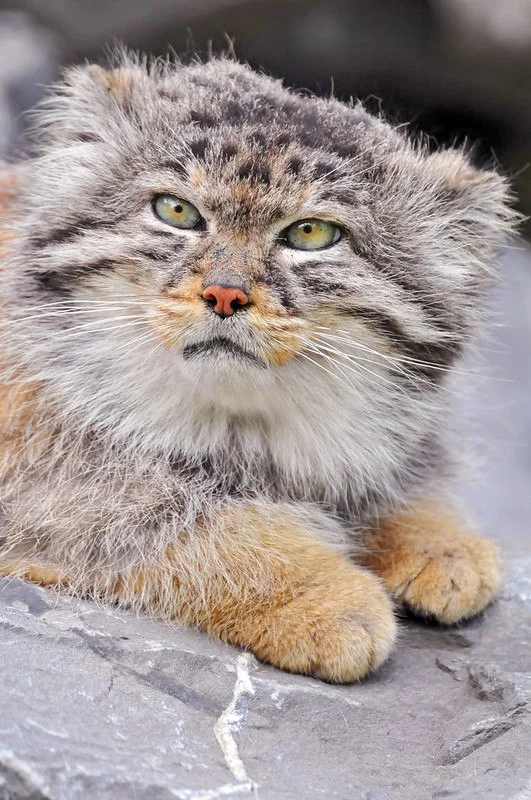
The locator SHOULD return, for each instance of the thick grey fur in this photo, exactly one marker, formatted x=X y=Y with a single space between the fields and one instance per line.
x=147 y=441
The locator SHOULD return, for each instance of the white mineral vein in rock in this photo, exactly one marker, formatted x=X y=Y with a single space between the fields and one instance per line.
x=229 y=723
x=40 y=727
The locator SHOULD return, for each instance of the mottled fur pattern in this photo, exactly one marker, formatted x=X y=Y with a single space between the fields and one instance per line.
x=207 y=484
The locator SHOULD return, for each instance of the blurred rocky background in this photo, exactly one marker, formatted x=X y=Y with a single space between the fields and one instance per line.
x=458 y=69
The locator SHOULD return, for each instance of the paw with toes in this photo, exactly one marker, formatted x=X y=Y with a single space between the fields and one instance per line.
x=440 y=572
x=338 y=632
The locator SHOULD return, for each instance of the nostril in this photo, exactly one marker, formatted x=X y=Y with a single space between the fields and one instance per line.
x=239 y=300
x=225 y=300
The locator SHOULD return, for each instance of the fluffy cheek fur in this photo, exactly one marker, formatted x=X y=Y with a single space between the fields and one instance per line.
x=129 y=341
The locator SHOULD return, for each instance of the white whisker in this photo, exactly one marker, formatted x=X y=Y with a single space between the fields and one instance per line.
x=401 y=360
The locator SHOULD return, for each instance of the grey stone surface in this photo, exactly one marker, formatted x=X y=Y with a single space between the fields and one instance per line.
x=97 y=703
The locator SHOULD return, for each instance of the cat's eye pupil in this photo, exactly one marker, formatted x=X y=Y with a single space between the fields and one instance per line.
x=177 y=212
x=311 y=234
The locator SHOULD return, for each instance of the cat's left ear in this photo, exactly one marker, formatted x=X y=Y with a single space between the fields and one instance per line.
x=475 y=203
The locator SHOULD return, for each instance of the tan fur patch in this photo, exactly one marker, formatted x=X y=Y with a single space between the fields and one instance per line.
x=21 y=420
x=257 y=579
x=118 y=81
x=37 y=573
x=190 y=289
x=197 y=177
x=458 y=173
x=429 y=562
x=7 y=189
x=178 y=310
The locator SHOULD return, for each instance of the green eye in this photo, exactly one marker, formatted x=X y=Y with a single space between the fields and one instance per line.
x=311 y=234
x=174 y=211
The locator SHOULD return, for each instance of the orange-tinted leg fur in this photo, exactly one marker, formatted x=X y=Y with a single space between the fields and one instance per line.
x=432 y=565
x=38 y=573
x=259 y=579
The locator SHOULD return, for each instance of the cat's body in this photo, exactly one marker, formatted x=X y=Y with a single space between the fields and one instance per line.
x=199 y=419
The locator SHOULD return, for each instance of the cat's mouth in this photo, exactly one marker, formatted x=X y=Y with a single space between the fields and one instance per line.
x=218 y=346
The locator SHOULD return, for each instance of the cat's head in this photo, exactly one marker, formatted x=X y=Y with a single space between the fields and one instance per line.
x=203 y=230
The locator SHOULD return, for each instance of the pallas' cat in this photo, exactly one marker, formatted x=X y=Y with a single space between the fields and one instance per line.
x=233 y=320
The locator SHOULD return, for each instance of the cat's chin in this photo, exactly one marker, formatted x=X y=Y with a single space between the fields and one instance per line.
x=227 y=381
x=222 y=355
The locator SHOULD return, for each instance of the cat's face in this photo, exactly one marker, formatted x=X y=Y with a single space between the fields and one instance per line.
x=203 y=226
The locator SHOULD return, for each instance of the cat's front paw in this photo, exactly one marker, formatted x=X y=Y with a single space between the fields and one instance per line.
x=450 y=579
x=338 y=631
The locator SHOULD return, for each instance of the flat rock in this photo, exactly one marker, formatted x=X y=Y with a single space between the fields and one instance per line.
x=99 y=703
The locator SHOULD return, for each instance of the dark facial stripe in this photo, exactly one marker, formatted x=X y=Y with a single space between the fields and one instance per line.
x=61 y=283
x=279 y=284
x=324 y=287
x=438 y=314
x=391 y=273
x=71 y=231
x=224 y=345
x=154 y=255
x=161 y=233
x=51 y=282
x=416 y=291
x=439 y=354
x=312 y=279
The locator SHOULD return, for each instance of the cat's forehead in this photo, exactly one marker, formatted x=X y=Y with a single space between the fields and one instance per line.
x=250 y=145
x=218 y=96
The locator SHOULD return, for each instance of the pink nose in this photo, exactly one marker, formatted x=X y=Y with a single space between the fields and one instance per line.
x=225 y=300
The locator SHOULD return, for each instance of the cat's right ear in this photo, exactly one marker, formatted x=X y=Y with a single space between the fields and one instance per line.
x=87 y=101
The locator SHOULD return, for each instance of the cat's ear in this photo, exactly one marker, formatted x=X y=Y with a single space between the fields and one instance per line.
x=119 y=83
x=457 y=172
x=476 y=204
x=84 y=105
